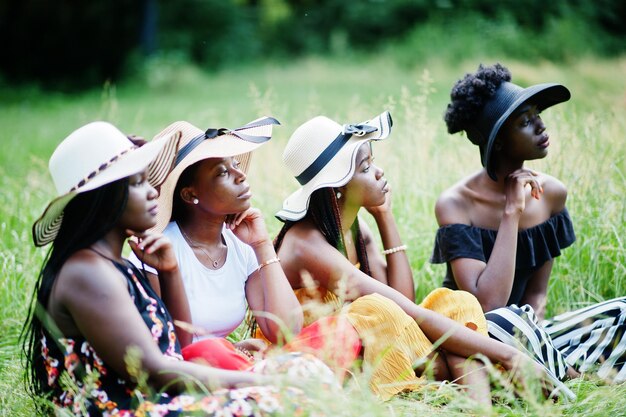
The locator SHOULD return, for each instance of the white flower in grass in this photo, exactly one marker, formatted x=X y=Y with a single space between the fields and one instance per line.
x=269 y=404
x=210 y=404
x=240 y=394
x=185 y=400
x=240 y=408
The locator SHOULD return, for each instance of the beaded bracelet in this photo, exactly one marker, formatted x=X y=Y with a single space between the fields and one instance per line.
x=394 y=250
x=268 y=262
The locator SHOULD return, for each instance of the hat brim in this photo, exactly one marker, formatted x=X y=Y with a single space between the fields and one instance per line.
x=157 y=156
x=336 y=173
x=220 y=147
x=543 y=95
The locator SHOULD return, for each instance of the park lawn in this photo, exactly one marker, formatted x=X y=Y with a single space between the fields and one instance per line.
x=420 y=160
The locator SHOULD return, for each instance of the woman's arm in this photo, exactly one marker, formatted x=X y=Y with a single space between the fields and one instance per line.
x=537 y=290
x=268 y=292
x=394 y=268
x=555 y=196
x=310 y=252
x=156 y=251
x=95 y=295
x=492 y=282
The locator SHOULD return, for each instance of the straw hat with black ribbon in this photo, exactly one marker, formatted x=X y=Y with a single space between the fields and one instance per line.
x=95 y=155
x=197 y=144
x=321 y=153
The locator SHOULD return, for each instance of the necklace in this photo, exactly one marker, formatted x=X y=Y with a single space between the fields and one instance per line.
x=214 y=262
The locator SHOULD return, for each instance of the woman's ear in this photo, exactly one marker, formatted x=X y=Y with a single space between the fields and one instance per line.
x=187 y=195
x=340 y=192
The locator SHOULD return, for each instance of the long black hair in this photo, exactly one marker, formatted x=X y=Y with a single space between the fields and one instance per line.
x=86 y=218
x=324 y=213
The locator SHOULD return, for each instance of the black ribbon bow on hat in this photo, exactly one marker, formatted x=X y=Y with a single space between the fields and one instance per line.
x=358 y=130
x=212 y=133
x=333 y=147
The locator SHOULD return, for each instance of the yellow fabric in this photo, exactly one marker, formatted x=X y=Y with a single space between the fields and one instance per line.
x=317 y=303
x=459 y=306
x=392 y=340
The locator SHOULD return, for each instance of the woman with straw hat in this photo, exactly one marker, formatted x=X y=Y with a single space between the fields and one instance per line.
x=224 y=252
x=322 y=237
x=502 y=227
x=98 y=340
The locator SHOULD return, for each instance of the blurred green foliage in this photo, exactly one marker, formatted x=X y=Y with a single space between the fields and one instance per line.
x=80 y=43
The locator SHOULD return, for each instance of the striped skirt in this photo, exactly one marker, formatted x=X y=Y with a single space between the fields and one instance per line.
x=590 y=340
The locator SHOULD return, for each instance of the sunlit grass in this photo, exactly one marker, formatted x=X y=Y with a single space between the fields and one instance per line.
x=420 y=160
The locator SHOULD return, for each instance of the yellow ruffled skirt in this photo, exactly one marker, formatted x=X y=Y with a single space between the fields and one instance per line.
x=392 y=340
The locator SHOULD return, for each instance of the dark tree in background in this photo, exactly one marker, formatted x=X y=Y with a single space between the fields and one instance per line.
x=71 y=44
x=78 y=41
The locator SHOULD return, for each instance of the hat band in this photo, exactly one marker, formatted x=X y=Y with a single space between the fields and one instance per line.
x=101 y=168
x=212 y=133
x=322 y=160
x=331 y=150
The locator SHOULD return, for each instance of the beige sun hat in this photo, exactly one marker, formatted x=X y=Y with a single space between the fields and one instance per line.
x=197 y=144
x=95 y=155
x=321 y=153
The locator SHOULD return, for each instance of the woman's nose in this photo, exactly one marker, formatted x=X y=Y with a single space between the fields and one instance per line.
x=153 y=193
x=241 y=176
x=540 y=126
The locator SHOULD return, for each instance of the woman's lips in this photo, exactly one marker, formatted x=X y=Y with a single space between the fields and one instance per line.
x=544 y=142
x=246 y=194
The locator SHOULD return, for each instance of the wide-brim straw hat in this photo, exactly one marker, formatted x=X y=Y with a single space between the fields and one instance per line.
x=95 y=155
x=197 y=144
x=321 y=153
x=506 y=100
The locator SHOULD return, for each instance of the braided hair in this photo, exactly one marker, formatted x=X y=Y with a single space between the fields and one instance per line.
x=86 y=218
x=324 y=212
x=469 y=95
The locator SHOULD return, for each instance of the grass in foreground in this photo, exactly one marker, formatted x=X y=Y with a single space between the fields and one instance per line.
x=420 y=160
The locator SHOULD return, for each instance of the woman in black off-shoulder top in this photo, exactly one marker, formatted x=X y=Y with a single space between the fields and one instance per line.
x=502 y=227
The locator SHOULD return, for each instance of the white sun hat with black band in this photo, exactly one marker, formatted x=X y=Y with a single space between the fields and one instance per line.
x=197 y=144
x=95 y=155
x=321 y=153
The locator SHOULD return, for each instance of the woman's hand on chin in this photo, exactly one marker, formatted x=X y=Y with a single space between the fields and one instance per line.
x=153 y=249
x=249 y=226
x=383 y=208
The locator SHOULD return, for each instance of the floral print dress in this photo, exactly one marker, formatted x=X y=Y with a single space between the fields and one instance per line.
x=83 y=385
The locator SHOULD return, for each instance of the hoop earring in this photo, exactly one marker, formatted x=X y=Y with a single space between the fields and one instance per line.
x=195 y=201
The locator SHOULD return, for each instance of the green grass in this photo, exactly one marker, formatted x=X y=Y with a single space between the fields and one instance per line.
x=420 y=160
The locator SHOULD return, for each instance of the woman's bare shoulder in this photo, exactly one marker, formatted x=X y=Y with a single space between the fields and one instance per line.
x=453 y=204
x=86 y=272
x=302 y=238
x=554 y=191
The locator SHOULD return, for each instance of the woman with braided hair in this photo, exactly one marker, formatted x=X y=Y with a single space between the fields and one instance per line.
x=322 y=243
x=502 y=227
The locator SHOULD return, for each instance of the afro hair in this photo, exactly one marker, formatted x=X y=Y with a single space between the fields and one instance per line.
x=469 y=95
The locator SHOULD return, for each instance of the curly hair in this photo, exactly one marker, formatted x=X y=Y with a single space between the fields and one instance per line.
x=469 y=95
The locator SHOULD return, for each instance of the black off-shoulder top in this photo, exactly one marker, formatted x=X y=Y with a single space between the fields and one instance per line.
x=535 y=246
